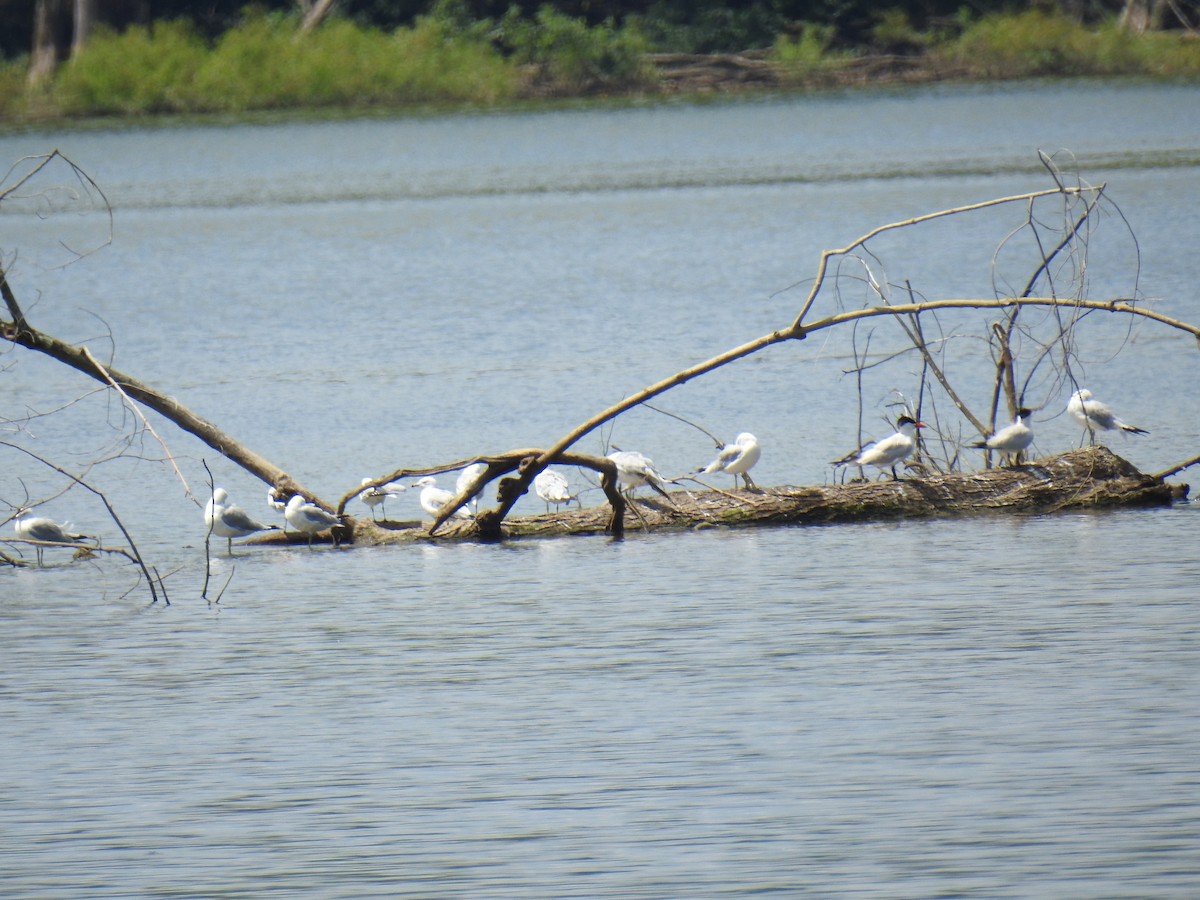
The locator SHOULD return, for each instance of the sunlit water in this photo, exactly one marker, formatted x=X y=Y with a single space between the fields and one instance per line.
x=980 y=707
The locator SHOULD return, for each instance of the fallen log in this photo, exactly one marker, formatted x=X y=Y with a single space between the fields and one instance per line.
x=1089 y=478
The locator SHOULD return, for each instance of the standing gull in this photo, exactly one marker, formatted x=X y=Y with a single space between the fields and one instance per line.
x=635 y=469
x=39 y=528
x=736 y=459
x=308 y=518
x=433 y=498
x=1011 y=439
x=466 y=481
x=378 y=496
x=888 y=452
x=1093 y=415
x=230 y=521
x=552 y=487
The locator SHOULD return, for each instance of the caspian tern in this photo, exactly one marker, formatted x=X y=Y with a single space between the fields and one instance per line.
x=736 y=459
x=1093 y=415
x=1011 y=439
x=228 y=521
x=888 y=452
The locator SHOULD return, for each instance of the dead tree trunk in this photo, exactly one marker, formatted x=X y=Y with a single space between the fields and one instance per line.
x=18 y=331
x=43 y=59
x=1089 y=478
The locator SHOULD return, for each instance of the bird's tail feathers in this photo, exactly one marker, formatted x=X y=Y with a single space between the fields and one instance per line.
x=1134 y=430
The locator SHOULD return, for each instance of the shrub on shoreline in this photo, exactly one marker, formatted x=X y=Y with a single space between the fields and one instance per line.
x=444 y=60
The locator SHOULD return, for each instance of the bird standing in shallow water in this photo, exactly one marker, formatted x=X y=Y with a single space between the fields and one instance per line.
x=1092 y=415
x=39 y=528
x=230 y=521
x=736 y=459
x=1011 y=439
x=635 y=469
x=552 y=487
x=433 y=498
x=885 y=454
x=308 y=518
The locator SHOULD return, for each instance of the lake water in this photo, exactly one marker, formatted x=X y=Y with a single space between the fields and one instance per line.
x=995 y=706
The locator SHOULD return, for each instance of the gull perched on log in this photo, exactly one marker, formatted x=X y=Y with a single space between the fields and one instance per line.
x=634 y=469
x=39 y=528
x=433 y=498
x=467 y=478
x=230 y=521
x=552 y=487
x=736 y=459
x=308 y=518
x=1011 y=439
x=275 y=501
x=1093 y=415
x=378 y=495
x=885 y=454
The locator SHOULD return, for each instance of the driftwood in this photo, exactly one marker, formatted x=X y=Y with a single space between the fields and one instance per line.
x=1085 y=478
x=1088 y=478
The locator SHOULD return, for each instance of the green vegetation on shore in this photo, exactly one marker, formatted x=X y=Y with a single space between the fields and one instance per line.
x=442 y=60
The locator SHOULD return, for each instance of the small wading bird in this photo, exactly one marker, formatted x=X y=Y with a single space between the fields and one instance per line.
x=39 y=528
x=736 y=459
x=634 y=470
x=308 y=518
x=552 y=487
x=1011 y=439
x=1093 y=415
x=433 y=498
x=378 y=496
x=230 y=521
x=885 y=454
x=467 y=478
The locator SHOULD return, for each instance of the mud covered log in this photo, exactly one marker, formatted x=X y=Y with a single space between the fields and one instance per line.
x=1090 y=478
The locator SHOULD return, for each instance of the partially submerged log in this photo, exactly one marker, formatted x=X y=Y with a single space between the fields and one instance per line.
x=1090 y=478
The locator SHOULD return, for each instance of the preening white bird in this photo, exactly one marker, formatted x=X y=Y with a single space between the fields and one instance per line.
x=378 y=495
x=552 y=487
x=276 y=502
x=736 y=459
x=1011 y=439
x=433 y=498
x=39 y=528
x=885 y=454
x=1093 y=415
x=467 y=478
x=635 y=469
x=228 y=521
x=308 y=518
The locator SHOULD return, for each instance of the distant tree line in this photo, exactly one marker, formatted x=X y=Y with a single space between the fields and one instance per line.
x=49 y=31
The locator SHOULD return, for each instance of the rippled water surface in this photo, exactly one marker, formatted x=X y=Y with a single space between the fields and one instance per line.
x=994 y=706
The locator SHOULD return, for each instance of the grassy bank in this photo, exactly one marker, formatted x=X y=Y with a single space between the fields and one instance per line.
x=265 y=64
